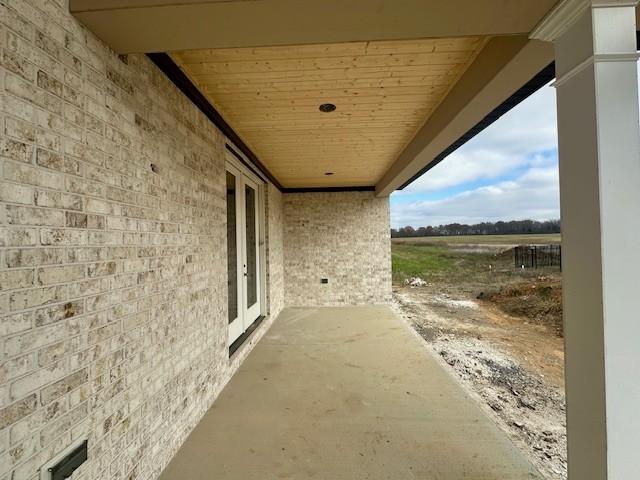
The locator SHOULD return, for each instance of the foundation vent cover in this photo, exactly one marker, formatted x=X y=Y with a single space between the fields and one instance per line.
x=63 y=466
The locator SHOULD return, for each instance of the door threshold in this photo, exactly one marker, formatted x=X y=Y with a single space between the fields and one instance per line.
x=243 y=338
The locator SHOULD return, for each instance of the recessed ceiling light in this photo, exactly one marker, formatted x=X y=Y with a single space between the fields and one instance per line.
x=327 y=107
x=328 y=173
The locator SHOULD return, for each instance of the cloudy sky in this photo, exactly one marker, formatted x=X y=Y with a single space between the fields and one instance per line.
x=507 y=172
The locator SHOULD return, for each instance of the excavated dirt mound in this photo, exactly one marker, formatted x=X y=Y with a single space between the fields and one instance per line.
x=539 y=301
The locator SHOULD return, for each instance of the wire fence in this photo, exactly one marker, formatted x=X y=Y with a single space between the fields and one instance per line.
x=537 y=256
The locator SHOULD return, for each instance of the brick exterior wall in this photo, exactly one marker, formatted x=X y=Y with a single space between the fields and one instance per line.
x=275 y=232
x=112 y=276
x=341 y=236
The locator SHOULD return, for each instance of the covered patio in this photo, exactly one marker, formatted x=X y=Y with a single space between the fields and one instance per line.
x=180 y=178
x=345 y=393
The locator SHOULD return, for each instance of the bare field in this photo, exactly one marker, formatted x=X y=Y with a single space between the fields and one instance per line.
x=506 y=240
x=496 y=328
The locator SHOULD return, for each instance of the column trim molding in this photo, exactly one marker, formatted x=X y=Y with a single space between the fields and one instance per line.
x=616 y=57
x=573 y=72
x=566 y=13
x=559 y=19
x=592 y=60
x=614 y=3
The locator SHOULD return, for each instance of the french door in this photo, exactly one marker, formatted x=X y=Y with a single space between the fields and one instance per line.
x=243 y=250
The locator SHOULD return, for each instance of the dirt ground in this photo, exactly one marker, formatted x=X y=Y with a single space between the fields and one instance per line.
x=505 y=347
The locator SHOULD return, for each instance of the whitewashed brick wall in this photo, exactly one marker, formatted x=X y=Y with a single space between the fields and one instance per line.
x=343 y=237
x=112 y=277
x=275 y=232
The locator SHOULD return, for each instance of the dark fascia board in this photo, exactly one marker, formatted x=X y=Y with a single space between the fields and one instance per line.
x=329 y=189
x=165 y=63
x=536 y=83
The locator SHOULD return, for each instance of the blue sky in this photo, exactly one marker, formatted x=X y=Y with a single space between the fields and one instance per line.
x=507 y=172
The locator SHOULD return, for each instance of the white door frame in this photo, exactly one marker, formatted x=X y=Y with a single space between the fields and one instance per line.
x=251 y=312
x=236 y=325
x=247 y=315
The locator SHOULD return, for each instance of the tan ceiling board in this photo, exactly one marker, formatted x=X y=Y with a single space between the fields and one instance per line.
x=334 y=89
x=461 y=44
x=302 y=99
x=376 y=112
x=298 y=129
x=342 y=94
x=331 y=86
x=353 y=139
x=320 y=147
x=384 y=91
x=310 y=123
x=321 y=142
x=290 y=65
x=340 y=119
x=305 y=99
x=328 y=74
x=275 y=53
x=329 y=50
x=371 y=118
x=310 y=105
x=426 y=84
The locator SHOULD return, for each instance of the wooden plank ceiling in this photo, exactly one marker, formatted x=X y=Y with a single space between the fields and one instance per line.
x=384 y=91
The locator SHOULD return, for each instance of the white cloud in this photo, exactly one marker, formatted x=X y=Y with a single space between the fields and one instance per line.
x=534 y=195
x=509 y=143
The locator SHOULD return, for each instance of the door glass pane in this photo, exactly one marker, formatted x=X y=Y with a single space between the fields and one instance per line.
x=252 y=267
x=232 y=248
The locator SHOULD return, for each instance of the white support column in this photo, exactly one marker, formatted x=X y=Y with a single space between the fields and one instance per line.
x=599 y=148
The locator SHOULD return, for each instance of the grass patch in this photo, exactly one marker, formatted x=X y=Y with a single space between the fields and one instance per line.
x=419 y=261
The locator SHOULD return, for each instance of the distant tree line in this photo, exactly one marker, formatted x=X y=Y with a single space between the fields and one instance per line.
x=514 y=227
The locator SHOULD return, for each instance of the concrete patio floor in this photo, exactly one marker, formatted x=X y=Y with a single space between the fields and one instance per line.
x=345 y=393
